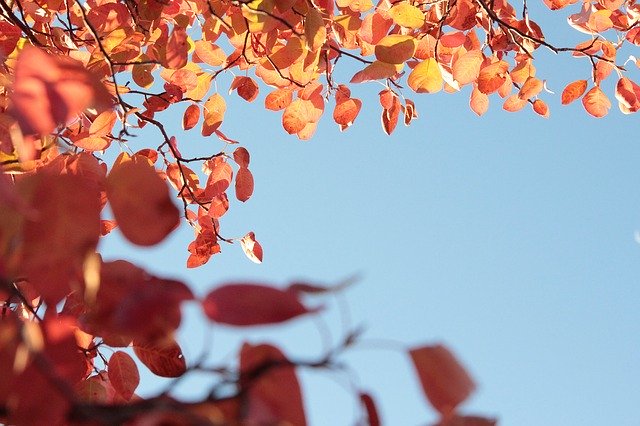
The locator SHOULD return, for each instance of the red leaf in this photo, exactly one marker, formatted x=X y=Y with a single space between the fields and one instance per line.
x=467 y=421
x=246 y=87
x=244 y=185
x=51 y=90
x=123 y=374
x=444 y=381
x=251 y=304
x=177 y=49
x=163 y=358
x=140 y=202
x=241 y=157
x=373 y=419
x=251 y=247
x=64 y=229
x=274 y=396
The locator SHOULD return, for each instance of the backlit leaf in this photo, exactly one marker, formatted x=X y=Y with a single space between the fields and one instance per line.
x=541 y=108
x=395 y=48
x=244 y=184
x=140 y=202
x=426 y=77
x=251 y=304
x=492 y=76
x=278 y=99
x=162 y=358
x=123 y=374
x=191 y=117
x=596 y=103
x=573 y=91
x=406 y=15
x=214 y=109
x=445 y=382
x=467 y=68
x=479 y=102
x=296 y=116
x=251 y=247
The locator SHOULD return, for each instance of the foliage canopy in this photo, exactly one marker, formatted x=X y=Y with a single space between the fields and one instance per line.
x=79 y=76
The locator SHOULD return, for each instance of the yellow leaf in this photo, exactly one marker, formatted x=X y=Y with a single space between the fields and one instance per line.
x=407 y=15
x=396 y=48
x=426 y=77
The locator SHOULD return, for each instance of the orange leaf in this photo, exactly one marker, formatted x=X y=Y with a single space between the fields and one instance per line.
x=251 y=247
x=123 y=374
x=541 y=108
x=278 y=99
x=376 y=71
x=513 y=103
x=426 y=77
x=103 y=123
x=244 y=185
x=251 y=304
x=214 y=109
x=573 y=91
x=296 y=116
x=444 y=381
x=314 y=30
x=492 y=76
x=346 y=112
x=596 y=102
x=191 y=117
x=140 y=202
x=628 y=95
x=479 y=102
x=163 y=358
x=531 y=87
x=177 y=49
x=467 y=68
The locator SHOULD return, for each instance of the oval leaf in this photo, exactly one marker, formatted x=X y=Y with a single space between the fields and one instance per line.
x=140 y=202
x=444 y=381
x=164 y=358
x=251 y=304
x=123 y=374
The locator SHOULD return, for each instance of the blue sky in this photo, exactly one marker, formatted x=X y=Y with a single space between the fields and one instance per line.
x=510 y=238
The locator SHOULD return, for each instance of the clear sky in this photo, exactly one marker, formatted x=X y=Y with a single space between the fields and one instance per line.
x=510 y=238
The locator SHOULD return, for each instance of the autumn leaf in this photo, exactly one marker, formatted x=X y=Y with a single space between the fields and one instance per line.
x=492 y=76
x=395 y=48
x=406 y=15
x=123 y=374
x=445 y=382
x=251 y=247
x=273 y=391
x=50 y=90
x=213 y=110
x=140 y=202
x=596 y=103
x=426 y=77
x=479 y=102
x=251 y=304
x=162 y=358
x=244 y=186
x=573 y=91
x=191 y=117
